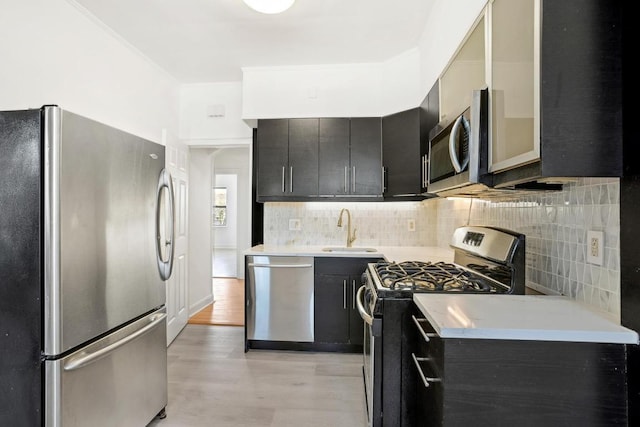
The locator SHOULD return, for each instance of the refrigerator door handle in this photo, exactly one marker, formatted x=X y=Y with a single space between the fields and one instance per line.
x=86 y=359
x=165 y=266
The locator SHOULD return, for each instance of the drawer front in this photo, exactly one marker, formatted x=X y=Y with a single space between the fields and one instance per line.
x=427 y=363
x=120 y=380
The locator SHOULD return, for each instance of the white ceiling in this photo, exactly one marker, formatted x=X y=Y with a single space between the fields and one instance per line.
x=210 y=40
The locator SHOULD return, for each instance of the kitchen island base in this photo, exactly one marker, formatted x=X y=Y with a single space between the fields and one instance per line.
x=490 y=382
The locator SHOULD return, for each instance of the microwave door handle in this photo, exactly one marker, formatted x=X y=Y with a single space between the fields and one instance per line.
x=453 y=154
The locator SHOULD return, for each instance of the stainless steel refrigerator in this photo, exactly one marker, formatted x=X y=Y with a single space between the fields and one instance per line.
x=86 y=231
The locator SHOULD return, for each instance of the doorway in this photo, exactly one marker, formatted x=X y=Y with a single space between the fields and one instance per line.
x=225 y=226
x=229 y=213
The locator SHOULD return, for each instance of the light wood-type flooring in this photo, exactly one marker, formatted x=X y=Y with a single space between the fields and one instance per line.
x=213 y=382
x=228 y=305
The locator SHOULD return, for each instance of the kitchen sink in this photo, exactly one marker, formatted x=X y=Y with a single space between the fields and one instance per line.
x=346 y=249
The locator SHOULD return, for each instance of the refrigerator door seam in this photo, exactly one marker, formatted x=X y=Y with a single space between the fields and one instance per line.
x=51 y=253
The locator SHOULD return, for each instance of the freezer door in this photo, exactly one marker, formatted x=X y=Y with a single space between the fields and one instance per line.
x=120 y=380
x=101 y=203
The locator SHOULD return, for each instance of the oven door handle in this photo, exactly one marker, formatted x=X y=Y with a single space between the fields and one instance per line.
x=363 y=313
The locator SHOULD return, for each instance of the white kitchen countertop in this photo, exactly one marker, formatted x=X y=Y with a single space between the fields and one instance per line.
x=520 y=317
x=390 y=253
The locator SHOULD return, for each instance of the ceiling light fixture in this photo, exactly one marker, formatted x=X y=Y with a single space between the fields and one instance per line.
x=269 y=6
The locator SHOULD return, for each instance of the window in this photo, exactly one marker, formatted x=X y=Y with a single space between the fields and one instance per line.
x=220 y=207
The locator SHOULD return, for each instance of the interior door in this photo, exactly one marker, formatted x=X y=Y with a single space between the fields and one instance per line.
x=177 y=292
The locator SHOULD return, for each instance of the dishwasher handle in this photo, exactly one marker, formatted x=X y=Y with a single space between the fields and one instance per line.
x=252 y=264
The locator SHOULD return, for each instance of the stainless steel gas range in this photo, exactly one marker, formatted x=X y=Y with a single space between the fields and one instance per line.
x=487 y=261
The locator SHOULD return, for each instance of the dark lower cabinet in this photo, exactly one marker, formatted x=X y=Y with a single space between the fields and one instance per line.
x=331 y=314
x=336 y=317
x=479 y=382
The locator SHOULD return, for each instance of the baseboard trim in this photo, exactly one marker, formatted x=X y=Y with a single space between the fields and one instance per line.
x=199 y=305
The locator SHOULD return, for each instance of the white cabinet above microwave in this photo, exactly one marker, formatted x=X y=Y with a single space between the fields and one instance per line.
x=465 y=73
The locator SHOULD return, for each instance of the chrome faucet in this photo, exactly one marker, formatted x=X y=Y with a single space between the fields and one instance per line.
x=350 y=238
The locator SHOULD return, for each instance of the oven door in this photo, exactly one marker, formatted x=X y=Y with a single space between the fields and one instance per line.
x=371 y=360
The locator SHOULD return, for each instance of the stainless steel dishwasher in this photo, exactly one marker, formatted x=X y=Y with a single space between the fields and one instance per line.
x=279 y=298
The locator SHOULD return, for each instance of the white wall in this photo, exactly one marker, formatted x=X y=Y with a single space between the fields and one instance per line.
x=200 y=181
x=198 y=128
x=400 y=88
x=312 y=91
x=446 y=27
x=357 y=90
x=53 y=53
x=338 y=90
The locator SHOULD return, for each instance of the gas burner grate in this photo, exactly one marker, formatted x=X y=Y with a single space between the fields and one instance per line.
x=425 y=277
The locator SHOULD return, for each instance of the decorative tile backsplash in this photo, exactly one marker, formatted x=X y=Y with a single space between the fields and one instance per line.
x=376 y=223
x=555 y=225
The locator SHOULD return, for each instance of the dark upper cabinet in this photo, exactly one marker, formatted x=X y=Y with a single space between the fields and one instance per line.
x=273 y=156
x=401 y=154
x=333 y=164
x=405 y=138
x=429 y=118
x=303 y=157
x=366 y=156
x=318 y=159
x=287 y=164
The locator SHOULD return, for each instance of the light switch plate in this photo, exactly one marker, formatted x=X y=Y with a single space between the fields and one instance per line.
x=595 y=247
x=294 y=224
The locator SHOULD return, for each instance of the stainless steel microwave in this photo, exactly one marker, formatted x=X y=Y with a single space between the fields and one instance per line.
x=459 y=152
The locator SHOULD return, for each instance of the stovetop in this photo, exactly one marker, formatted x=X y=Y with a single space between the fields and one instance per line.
x=418 y=276
x=487 y=261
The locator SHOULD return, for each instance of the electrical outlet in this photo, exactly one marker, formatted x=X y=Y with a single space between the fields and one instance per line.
x=411 y=224
x=294 y=224
x=595 y=247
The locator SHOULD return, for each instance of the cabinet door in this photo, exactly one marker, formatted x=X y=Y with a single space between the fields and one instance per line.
x=514 y=84
x=401 y=153
x=356 y=324
x=465 y=73
x=429 y=117
x=333 y=160
x=272 y=141
x=331 y=314
x=303 y=158
x=366 y=156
